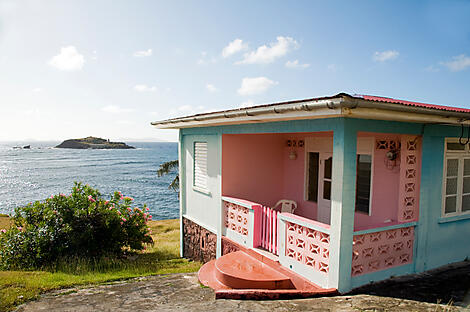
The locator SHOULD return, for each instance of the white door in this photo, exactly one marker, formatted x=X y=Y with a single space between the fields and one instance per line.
x=324 y=187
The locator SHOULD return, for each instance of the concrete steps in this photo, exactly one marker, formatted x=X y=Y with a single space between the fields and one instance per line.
x=246 y=274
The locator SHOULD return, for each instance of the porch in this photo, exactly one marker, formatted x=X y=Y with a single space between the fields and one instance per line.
x=357 y=202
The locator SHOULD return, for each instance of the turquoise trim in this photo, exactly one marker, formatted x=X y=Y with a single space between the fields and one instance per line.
x=386 y=228
x=360 y=280
x=343 y=198
x=182 y=175
x=311 y=125
x=454 y=218
x=306 y=224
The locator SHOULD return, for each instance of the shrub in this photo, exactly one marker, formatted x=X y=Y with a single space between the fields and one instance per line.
x=82 y=224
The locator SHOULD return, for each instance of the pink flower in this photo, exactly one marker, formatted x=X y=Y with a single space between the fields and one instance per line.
x=19 y=228
x=110 y=208
x=122 y=223
x=124 y=219
x=52 y=196
x=150 y=217
x=62 y=195
x=3 y=231
x=129 y=198
x=91 y=199
x=106 y=202
x=129 y=209
x=147 y=208
x=118 y=212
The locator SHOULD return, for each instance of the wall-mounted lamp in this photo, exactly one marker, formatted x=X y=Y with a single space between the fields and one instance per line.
x=292 y=155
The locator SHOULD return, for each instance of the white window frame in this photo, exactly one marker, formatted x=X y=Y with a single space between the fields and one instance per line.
x=460 y=156
x=201 y=187
x=365 y=146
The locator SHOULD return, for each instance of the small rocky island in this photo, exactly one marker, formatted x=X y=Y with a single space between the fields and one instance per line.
x=93 y=143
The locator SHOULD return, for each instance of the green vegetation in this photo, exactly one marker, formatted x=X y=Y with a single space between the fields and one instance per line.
x=167 y=168
x=17 y=287
x=82 y=224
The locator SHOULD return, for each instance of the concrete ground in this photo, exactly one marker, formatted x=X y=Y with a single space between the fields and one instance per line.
x=182 y=292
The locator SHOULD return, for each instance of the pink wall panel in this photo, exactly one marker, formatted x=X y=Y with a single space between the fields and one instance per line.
x=252 y=167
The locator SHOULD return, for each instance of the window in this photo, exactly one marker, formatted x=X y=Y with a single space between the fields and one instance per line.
x=456 y=180
x=312 y=178
x=200 y=165
x=363 y=182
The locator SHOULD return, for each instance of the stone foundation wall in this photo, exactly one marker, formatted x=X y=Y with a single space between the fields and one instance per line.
x=228 y=246
x=199 y=244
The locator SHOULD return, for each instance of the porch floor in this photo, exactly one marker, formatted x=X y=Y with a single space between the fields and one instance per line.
x=245 y=274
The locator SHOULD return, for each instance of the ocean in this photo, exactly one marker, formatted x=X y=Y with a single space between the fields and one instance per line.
x=28 y=175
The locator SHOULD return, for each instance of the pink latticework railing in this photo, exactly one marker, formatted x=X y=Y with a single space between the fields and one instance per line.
x=382 y=250
x=308 y=246
x=236 y=218
x=269 y=229
x=408 y=196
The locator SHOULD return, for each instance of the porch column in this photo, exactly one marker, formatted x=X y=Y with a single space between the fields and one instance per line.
x=342 y=205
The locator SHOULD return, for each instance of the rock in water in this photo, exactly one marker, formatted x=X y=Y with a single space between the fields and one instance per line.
x=93 y=143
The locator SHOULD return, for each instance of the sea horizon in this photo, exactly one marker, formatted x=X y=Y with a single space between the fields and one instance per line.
x=28 y=175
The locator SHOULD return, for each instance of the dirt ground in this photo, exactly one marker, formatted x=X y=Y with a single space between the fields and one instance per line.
x=182 y=292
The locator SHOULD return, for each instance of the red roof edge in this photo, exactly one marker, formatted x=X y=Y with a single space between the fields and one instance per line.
x=409 y=103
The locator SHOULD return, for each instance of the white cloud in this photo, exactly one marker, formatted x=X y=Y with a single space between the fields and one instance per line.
x=37 y=90
x=211 y=88
x=233 y=47
x=143 y=53
x=68 y=59
x=255 y=85
x=116 y=109
x=145 y=88
x=247 y=103
x=296 y=64
x=458 y=63
x=265 y=54
x=94 y=57
x=385 y=55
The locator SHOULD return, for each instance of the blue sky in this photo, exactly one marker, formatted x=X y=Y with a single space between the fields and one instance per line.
x=108 y=68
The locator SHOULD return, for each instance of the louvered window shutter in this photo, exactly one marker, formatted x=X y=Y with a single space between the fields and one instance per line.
x=200 y=165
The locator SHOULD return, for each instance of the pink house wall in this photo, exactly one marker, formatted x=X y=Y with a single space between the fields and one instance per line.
x=252 y=167
x=385 y=185
x=257 y=167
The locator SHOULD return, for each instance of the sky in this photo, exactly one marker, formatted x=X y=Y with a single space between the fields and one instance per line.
x=71 y=69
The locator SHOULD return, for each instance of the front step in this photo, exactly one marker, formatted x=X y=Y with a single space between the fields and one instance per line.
x=245 y=274
x=238 y=270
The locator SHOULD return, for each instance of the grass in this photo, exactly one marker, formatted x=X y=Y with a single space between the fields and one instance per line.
x=17 y=287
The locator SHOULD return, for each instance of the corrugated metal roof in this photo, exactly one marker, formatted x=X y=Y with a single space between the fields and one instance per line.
x=409 y=103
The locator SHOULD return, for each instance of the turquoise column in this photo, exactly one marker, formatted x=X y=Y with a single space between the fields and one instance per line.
x=182 y=176
x=342 y=205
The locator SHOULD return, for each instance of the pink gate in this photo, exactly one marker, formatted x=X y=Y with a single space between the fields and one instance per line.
x=268 y=223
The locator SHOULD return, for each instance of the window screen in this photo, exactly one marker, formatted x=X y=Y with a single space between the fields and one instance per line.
x=363 y=180
x=200 y=164
x=313 y=161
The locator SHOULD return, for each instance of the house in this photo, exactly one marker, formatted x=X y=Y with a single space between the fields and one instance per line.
x=381 y=188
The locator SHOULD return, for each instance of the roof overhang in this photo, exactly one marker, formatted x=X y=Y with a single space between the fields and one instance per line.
x=340 y=105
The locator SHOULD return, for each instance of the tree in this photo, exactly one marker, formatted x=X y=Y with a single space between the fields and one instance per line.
x=167 y=168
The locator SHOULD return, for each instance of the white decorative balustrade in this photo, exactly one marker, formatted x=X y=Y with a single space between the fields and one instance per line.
x=304 y=247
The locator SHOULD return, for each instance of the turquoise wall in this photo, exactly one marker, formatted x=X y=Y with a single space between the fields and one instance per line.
x=438 y=241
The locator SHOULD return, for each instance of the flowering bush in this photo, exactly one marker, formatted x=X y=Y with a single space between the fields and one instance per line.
x=82 y=224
